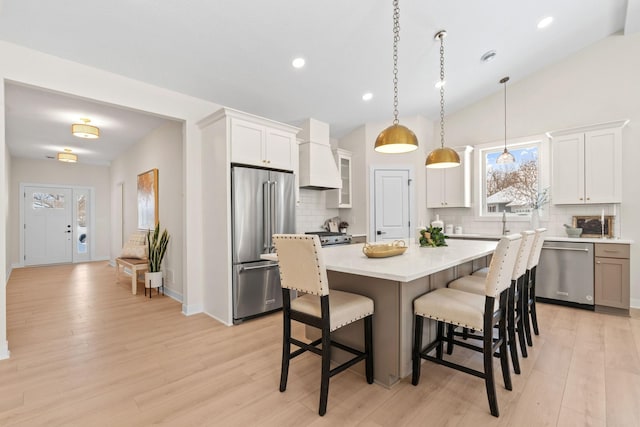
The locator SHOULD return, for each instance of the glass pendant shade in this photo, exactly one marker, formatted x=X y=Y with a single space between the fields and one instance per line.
x=441 y=158
x=505 y=157
x=396 y=139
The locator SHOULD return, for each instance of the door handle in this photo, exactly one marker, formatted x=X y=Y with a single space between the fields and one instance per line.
x=258 y=267
x=380 y=232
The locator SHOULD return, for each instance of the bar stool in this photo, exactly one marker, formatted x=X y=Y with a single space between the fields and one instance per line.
x=479 y=312
x=302 y=269
x=515 y=311
x=530 y=286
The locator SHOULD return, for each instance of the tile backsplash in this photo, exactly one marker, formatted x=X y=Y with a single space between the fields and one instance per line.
x=312 y=211
x=552 y=217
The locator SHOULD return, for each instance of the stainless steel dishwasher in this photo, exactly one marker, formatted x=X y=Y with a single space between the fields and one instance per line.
x=565 y=274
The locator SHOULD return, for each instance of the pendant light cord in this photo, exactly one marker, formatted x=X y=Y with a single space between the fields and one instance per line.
x=504 y=81
x=441 y=36
x=396 y=38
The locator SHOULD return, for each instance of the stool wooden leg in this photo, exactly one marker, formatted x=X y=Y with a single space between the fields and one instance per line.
x=417 y=349
x=286 y=339
x=534 y=315
x=521 y=303
x=511 y=329
x=525 y=306
x=368 y=347
x=488 y=365
x=324 y=380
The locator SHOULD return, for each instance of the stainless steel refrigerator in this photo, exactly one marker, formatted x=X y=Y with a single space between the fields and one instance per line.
x=263 y=204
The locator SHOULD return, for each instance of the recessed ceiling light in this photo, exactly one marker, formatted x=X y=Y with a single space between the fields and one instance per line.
x=367 y=96
x=298 y=63
x=545 y=22
x=488 y=56
x=440 y=83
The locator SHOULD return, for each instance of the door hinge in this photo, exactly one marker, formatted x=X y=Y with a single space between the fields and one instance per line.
x=25 y=226
x=409 y=181
x=25 y=257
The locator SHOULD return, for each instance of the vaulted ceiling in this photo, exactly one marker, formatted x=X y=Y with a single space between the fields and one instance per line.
x=239 y=53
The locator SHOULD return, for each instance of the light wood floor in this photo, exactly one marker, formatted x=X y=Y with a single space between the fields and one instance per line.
x=86 y=352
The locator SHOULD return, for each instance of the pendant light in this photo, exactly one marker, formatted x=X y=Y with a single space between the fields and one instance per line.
x=506 y=156
x=442 y=157
x=85 y=130
x=396 y=138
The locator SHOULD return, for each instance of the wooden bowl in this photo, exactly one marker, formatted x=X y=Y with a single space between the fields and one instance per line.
x=384 y=250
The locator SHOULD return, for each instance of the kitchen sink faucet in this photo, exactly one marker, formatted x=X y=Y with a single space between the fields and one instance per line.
x=504 y=223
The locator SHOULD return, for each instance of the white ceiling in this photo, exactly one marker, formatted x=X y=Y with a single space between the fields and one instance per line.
x=238 y=53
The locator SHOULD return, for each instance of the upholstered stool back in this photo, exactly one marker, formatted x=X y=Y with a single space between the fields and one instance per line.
x=502 y=265
x=524 y=252
x=301 y=264
x=534 y=257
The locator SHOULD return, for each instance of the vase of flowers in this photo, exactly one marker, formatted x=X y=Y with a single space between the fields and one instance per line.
x=541 y=199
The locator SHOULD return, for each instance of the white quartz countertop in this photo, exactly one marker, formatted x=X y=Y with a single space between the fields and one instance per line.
x=547 y=238
x=415 y=263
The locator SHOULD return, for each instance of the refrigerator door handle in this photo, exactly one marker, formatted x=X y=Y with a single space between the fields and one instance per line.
x=258 y=267
x=266 y=203
x=274 y=219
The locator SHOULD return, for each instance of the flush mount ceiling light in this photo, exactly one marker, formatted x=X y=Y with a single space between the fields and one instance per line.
x=396 y=138
x=67 y=156
x=545 y=22
x=298 y=63
x=506 y=156
x=442 y=157
x=85 y=130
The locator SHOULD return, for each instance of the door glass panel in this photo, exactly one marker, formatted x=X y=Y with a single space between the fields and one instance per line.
x=81 y=223
x=48 y=201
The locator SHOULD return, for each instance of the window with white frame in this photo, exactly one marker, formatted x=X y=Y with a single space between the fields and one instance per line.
x=513 y=188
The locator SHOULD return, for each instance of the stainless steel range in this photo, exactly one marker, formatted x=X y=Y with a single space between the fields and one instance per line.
x=329 y=238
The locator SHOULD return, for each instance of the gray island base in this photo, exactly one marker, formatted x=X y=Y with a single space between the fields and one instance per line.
x=393 y=283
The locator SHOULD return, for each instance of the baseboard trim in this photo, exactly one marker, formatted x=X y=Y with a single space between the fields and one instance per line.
x=173 y=294
x=635 y=303
x=218 y=319
x=4 y=351
x=189 y=310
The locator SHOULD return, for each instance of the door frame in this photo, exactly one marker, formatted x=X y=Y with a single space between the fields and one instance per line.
x=90 y=230
x=372 y=195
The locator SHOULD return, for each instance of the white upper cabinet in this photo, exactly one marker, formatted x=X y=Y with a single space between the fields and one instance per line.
x=587 y=164
x=254 y=143
x=451 y=187
x=341 y=198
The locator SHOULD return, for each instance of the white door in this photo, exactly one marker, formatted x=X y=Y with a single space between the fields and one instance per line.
x=392 y=213
x=48 y=230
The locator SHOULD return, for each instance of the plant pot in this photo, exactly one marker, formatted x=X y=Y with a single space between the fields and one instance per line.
x=153 y=279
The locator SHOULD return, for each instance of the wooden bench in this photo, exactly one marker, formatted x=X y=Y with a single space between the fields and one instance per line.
x=136 y=266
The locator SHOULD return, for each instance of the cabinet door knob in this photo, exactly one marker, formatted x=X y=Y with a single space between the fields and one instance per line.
x=581 y=198
x=588 y=198
x=597 y=262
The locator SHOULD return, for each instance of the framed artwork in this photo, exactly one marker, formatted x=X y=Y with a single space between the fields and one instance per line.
x=148 y=199
x=592 y=225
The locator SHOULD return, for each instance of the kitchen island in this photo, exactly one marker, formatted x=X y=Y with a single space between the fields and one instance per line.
x=393 y=283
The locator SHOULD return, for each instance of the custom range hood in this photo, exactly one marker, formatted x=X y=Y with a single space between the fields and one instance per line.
x=318 y=170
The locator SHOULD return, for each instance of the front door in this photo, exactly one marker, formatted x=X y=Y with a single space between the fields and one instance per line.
x=392 y=213
x=48 y=229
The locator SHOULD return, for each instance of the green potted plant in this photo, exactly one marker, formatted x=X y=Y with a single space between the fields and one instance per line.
x=157 y=248
x=432 y=237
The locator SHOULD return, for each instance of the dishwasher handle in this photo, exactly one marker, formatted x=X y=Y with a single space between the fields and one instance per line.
x=555 y=248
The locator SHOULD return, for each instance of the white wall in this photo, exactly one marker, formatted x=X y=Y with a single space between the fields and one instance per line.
x=30 y=67
x=598 y=84
x=5 y=165
x=53 y=172
x=361 y=143
x=161 y=149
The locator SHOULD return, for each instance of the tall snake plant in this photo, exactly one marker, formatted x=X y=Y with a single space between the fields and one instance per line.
x=157 y=246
